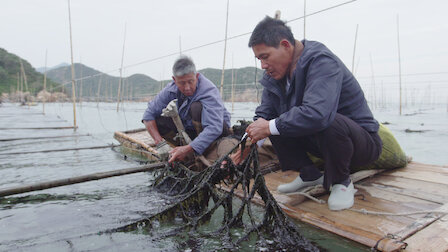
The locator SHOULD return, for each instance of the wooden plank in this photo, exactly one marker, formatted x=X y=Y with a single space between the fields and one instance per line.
x=434 y=192
x=376 y=224
x=143 y=136
x=431 y=167
x=353 y=233
x=428 y=176
x=129 y=138
x=409 y=192
x=433 y=237
x=384 y=192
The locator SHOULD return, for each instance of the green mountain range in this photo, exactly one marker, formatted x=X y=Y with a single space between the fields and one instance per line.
x=11 y=78
x=92 y=84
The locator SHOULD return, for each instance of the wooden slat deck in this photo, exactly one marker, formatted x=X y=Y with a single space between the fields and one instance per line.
x=417 y=187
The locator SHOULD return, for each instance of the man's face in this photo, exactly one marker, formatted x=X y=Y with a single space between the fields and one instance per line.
x=276 y=61
x=187 y=83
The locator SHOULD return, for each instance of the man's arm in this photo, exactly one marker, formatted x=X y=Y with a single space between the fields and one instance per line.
x=151 y=126
x=212 y=121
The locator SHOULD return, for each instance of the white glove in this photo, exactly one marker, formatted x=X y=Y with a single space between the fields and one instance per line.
x=163 y=149
x=171 y=109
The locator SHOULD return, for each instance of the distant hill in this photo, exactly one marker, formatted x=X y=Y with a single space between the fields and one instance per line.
x=140 y=86
x=89 y=80
x=42 y=69
x=9 y=70
x=244 y=79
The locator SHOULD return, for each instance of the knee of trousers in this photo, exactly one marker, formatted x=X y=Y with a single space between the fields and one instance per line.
x=196 y=111
x=337 y=130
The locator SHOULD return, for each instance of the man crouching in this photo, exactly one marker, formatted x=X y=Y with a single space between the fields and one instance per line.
x=200 y=109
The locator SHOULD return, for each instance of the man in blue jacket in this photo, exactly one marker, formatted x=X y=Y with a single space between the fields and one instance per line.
x=200 y=107
x=312 y=103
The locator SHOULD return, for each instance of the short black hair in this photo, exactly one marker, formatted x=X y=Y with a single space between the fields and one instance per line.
x=270 y=32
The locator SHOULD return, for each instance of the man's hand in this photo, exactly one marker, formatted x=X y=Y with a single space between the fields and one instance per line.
x=258 y=130
x=163 y=149
x=180 y=153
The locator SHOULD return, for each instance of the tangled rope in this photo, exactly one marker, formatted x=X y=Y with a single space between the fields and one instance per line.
x=196 y=198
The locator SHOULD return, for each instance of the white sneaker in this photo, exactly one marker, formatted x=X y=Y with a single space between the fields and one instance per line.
x=298 y=184
x=341 y=197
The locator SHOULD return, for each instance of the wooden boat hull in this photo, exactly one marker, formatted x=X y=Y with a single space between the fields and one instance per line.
x=415 y=188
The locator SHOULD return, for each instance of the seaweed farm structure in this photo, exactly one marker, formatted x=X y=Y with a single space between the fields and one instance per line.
x=394 y=210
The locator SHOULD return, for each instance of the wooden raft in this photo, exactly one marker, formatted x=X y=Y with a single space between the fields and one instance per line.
x=137 y=141
x=415 y=188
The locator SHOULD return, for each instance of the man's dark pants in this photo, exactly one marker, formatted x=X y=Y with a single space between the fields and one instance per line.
x=342 y=145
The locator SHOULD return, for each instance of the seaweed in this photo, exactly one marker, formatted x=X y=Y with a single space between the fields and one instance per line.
x=196 y=197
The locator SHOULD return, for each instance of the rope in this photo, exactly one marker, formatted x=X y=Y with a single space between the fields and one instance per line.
x=312 y=198
x=306 y=192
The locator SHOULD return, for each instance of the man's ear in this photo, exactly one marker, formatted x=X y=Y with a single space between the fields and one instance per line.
x=197 y=75
x=174 y=79
x=285 y=43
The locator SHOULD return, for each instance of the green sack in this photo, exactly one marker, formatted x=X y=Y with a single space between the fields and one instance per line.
x=392 y=156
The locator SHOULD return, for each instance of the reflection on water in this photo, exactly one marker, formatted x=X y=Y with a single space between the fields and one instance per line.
x=75 y=217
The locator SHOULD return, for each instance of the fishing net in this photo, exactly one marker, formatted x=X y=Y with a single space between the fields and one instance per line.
x=196 y=200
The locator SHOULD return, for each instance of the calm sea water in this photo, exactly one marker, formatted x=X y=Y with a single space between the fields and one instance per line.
x=70 y=218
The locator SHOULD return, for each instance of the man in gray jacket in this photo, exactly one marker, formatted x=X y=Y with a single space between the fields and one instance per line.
x=200 y=107
x=312 y=103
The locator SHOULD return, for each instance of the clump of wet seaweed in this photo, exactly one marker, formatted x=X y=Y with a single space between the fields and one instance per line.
x=196 y=198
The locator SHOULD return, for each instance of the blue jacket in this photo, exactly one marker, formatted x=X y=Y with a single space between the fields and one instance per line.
x=321 y=86
x=214 y=114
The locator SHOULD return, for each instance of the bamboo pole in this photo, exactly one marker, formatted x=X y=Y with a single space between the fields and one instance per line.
x=65 y=127
x=80 y=84
x=304 y=18
x=131 y=93
x=32 y=138
x=233 y=85
x=45 y=83
x=72 y=68
x=18 y=86
x=78 y=179
x=121 y=70
x=224 y=59
x=21 y=85
x=24 y=75
x=373 y=82
x=98 y=93
x=399 y=59
x=180 y=46
x=354 y=50
x=57 y=150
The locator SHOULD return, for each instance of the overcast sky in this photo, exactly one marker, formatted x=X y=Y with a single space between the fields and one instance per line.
x=159 y=28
